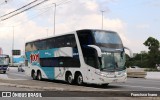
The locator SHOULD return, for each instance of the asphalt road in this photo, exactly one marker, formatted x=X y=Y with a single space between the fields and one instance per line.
x=19 y=78
x=132 y=84
x=9 y=89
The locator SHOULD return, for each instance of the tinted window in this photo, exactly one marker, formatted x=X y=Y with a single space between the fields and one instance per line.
x=59 y=62
x=107 y=40
x=90 y=57
x=86 y=37
x=107 y=37
x=40 y=45
x=55 y=42
x=49 y=62
x=59 y=42
x=70 y=41
x=28 y=47
x=50 y=43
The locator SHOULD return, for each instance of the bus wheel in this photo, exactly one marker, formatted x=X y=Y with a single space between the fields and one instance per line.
x=69 y=78
x=79 y=79
x=33 y=75
x=4 y=72
x=39 y=76
x=105 y=85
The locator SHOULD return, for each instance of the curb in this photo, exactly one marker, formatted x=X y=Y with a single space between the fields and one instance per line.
x=32 y=87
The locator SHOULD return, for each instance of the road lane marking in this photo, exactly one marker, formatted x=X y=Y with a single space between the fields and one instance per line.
x=144 y=80
x=3 y=76
x=141 y=87
x=17 y=74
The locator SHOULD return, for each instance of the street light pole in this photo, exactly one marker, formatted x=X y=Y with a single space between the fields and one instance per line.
x=12 y=45
x=47 y=32
x=102 y=17
x=54 y=18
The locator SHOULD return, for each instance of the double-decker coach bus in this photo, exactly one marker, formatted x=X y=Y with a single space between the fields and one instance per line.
x=83 y=56
x=4 y=62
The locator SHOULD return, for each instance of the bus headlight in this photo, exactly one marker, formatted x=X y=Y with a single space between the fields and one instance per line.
x=101 y=74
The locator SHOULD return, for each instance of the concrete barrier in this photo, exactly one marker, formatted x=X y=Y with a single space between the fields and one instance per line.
x=136 y=72
x=153 y=75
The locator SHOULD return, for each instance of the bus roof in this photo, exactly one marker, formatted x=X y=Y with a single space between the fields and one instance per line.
x=72 y=32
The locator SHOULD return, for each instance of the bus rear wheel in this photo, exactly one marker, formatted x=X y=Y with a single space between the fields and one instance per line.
x=39 y=76
x=105 y=85
x=34 y=75
x=79 y=79
x=69 y=78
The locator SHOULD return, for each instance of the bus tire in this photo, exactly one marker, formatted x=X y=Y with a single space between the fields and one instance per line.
x=105 y=85
x=39 y=75
x=33 y=75
x=4 y=72
x=79 y=79
x=69 y=78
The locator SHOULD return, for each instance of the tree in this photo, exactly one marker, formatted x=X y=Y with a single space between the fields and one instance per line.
x=154 y=53
x=140 y=60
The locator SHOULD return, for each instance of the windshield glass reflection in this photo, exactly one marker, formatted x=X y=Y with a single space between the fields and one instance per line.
x=113 y=61
x=107 y=37
x=3 y=61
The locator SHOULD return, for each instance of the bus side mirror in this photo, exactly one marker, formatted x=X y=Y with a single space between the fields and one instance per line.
x=97 y=49
x=130 y=52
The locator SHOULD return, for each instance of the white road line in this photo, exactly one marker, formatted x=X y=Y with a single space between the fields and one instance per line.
x=17 y=74
x=16 y=79
x=3 y=76
x=141 y=87
x=144 y=80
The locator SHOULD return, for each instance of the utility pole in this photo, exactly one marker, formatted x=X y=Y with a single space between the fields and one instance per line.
x=47 y=32
x=54 y=18
x=12 y=45
x=102 y=17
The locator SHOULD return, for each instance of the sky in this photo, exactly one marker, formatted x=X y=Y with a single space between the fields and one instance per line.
x=133 y=20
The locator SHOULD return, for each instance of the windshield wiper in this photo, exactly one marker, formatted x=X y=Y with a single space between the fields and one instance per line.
x=108 y=69
x=119 y=68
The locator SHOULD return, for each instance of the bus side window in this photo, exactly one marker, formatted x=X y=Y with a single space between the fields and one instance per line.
x=91 y=57
x=28 y=47
x=50 y=43
x=40 y=45
x=70 y=41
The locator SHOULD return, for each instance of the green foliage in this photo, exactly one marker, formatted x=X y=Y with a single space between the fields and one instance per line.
x=154 y=53
x=146 y=60
x=140 y=60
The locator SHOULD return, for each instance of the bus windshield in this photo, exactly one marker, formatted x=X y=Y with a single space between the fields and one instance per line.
x=106 y=40
x=112 y=61
x=3 y=61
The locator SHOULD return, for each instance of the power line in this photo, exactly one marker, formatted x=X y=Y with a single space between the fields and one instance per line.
x=23 y=10
x=46 y=8
x=35 y=16
x=4 y=2
x=19 y=8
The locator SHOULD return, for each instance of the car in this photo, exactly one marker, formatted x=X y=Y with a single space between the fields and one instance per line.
x=21 y=68
x=158 y=66
x=134 y=67
x=137 y=72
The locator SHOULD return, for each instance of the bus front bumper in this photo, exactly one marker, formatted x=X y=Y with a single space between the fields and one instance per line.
x=103 y=79
x=3 y=68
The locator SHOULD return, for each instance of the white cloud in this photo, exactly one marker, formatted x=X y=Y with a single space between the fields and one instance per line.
x=72 y=16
